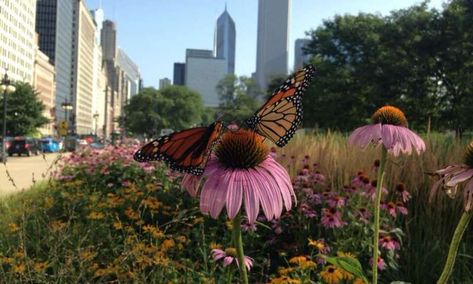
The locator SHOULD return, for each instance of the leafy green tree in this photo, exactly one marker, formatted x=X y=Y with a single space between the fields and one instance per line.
x=141 y=114
x=237 y=98
x=181 y=107
x=174 y=107
x=24 y=111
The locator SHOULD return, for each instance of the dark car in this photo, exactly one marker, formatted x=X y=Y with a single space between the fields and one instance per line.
x=24 y=145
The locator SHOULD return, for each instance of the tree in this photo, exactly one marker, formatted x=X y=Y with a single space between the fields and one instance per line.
x=237 y=98
x=24 y=111
x=141 y=114
x=175 y=107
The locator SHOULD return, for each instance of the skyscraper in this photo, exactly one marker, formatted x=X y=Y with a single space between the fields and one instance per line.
x=179 y=74
x=300 y=58
x=54 y=19
x=272 y=43
x=224 y=41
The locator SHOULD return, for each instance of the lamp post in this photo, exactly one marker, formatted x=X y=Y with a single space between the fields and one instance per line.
x=96 y=118
x=66 y=106
x=7 y=88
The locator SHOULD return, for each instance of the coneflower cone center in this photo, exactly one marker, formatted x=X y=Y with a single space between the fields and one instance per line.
x=468 y=158
x=242 y=149
x=389 y=115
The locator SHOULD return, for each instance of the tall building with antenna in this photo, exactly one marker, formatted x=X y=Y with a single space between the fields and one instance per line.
x=225 y=39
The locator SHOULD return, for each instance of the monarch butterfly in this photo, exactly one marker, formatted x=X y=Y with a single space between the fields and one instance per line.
x=186 y=151
x=280 y=116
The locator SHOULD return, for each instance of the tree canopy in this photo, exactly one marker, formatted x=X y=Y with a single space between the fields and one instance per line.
x=418 y=59
x=24 y=111
x=237 y=98
x=174 y=107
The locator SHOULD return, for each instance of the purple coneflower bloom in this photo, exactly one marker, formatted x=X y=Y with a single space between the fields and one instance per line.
x=337 y=201
x=331 y=218
x=364 y=215
x=229 y=255
x=370 y=189
x=381 y=263
x=389 y=243
x=401 y=190
x=394 y=208
x=242 y=172
x=390 y=129
x=453 y=176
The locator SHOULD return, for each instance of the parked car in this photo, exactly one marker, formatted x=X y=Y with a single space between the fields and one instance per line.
x=49 y=145
x=24 y=145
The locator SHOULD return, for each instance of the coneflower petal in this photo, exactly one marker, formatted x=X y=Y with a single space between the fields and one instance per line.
x=234 y=193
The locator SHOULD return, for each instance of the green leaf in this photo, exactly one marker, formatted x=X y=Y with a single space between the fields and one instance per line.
x=349 y=264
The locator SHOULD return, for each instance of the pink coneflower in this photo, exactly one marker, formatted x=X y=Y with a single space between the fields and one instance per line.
x=370 y=189
x=337 y=201
x=394 y=208
x=307 y=210
x=317 y=177
x=453 y=176
x=242 y=171
x=229 y=255
x=389 y=243
x=401 y=190
x=306 y=159
x=381 y=263
x=331 y=218
x=364 y=215
x=390 y=129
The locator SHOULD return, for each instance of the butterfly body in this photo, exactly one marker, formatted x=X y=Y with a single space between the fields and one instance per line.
x=185 y=151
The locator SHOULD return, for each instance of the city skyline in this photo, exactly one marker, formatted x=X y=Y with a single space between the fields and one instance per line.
x=155 y=39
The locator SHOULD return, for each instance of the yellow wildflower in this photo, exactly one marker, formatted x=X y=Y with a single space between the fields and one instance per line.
x=40 y=266
x=346 y=275
x=198 y=220
x=87 y=255
x=13 y=227
x=19 y=268
x=19 y=254
x=152 y=203
x=298 y=260
x=94 y=215
x=8 y=260
x=114 y=200
x=319 y=245
x=331 y=275
x=57 y=225
x=285 y=271
x=117 y=225
x=153 y=231
x=48 y=202
x=132 y=214
x=359 y=281
x=214 y=245
x=167 y=244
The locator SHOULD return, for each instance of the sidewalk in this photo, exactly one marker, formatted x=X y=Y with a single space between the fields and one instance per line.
x=19 y=173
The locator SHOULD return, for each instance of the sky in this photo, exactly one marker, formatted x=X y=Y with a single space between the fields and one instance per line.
x=156 y=33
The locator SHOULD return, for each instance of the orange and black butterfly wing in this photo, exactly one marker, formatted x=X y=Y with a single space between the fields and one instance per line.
x=279 y=118
x=185 y=151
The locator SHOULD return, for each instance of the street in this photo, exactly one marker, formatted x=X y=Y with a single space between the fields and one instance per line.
x=24 y=171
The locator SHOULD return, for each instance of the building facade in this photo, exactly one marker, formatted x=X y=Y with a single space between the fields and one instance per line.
x=131 y=72
x=203 y=73
x=54 y=25
x=300 y=58
x=17 y=38
x=83 y=69
x=163 y=83
x=179 y=74
x=272 y=40
x=225 y=40
x=45 y=84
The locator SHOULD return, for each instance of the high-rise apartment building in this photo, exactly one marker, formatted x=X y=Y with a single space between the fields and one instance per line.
x=203 y=72
x=272 y=42
x=83 y=69
x=109 y=40
x=225 y=39
x=300 y=58
x=17 y=38
x=54 y=25
x=163 y=83
x=45 y=84
x=179 y=76
x=131 y=72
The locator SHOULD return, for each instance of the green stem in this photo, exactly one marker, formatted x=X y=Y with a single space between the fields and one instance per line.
x=379 y=186
x=453 y=250
x=239 y=247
